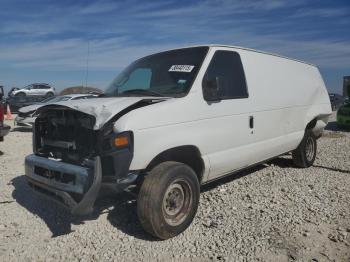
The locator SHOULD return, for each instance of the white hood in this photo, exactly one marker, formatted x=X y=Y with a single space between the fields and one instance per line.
x=103 y=109
x=30 y=108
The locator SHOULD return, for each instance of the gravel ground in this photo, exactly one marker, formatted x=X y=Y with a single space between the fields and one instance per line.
x=273 y=212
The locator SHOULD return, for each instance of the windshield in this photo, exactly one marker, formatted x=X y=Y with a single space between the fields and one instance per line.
x=169 y=74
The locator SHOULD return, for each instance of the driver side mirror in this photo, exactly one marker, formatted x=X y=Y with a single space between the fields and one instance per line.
x=211 y=89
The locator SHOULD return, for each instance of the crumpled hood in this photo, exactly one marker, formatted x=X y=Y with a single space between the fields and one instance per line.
x=30 y=108
x=103 y=109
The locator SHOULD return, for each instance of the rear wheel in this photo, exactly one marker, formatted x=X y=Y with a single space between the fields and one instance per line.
x=168 y=199
x=49 y=94
x=305 y=154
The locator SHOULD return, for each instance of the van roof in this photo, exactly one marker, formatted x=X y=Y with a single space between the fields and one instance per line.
x=252 y=50
x=263 y=52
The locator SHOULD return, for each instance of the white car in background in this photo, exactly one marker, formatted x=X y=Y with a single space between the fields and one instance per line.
x=37 y=89
x=26 y=115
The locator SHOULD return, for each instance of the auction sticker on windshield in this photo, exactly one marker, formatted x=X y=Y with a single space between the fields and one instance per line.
x=181 y=68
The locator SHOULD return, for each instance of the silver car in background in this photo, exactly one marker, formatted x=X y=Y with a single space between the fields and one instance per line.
x=26 y=115
x=37 y=89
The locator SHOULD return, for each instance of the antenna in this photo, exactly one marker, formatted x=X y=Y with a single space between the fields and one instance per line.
x=87 y=64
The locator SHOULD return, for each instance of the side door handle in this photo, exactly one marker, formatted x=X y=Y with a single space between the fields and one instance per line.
x=251 y=122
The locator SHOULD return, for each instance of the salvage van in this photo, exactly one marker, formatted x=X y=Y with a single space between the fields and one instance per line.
x=173 y=121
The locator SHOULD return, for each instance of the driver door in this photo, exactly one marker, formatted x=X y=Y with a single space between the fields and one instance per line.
x=229 y=112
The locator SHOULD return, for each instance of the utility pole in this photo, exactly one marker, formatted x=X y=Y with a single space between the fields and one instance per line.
x=87 y=64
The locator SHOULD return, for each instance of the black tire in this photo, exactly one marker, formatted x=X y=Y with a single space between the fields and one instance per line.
x=21 y=94
x=168 y=199
x=305 y=154
x=49 y=94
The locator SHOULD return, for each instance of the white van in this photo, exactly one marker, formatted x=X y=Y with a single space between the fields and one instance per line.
x=173 y=121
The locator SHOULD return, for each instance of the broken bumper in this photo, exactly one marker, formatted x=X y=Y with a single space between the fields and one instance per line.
x=25 y=121
x=73 y=186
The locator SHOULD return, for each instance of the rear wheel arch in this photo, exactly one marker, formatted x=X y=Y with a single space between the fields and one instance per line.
x=305 y=154
x=49 y=94
x=21 y=94
x=186 y=154
x=311 y=124
x=317 y=124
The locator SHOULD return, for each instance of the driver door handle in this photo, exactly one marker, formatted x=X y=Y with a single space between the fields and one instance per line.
x=251 y=122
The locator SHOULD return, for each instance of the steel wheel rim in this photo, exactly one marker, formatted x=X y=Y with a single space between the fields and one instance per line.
x=310 y=148
x=177 y=202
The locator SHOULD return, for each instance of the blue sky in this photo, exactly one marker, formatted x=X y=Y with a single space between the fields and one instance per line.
x=47 y=40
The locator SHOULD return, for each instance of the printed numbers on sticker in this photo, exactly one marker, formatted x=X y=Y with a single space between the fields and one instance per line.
x=181 y=68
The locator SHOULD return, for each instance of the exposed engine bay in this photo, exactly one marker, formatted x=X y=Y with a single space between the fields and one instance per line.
x=70 y=136
x=76 y=151
x=65 y=134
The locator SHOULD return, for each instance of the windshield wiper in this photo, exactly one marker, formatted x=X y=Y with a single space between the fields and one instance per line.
x=141 y=92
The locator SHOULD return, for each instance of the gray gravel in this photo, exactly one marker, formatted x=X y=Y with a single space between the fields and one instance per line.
x=273 y=212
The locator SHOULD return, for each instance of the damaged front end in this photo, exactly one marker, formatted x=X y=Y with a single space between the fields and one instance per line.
x=72 y=160
x=74 y=187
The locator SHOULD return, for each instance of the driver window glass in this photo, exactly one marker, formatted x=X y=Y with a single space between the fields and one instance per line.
x=227 y=66
x=139 y=79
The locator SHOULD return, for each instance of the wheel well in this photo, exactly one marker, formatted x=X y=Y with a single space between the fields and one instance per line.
x=311 y=124
x=189 y=155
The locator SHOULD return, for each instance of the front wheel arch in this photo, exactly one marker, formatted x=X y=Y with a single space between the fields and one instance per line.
x=186 y=154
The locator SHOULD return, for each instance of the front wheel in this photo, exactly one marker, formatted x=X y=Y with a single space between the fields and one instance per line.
x=168 y=199
x=305 y=154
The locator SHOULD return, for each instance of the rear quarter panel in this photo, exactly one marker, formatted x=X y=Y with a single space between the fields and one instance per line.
x=291 y=89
